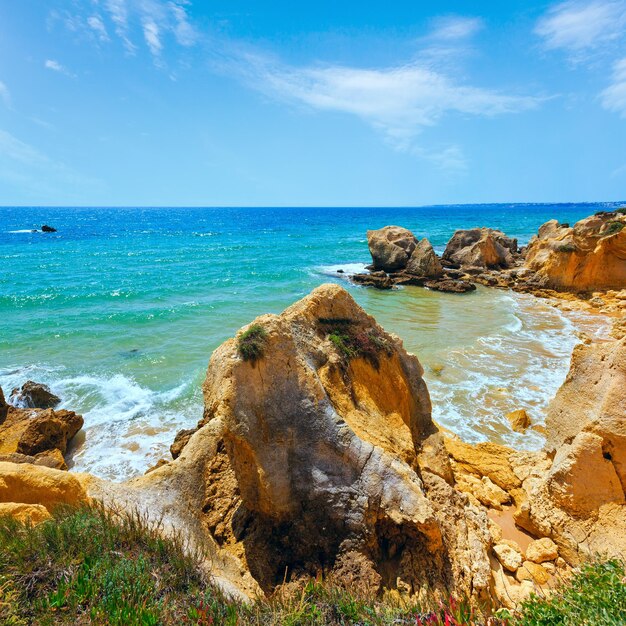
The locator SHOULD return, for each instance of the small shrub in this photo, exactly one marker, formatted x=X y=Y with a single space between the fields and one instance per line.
x=251 y=342
x=352 y=342
x=614 y=227
x=596 y=595
x=621 y=210
x=566 y=247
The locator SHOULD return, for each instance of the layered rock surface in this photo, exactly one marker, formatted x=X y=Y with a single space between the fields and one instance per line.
x=590 y=256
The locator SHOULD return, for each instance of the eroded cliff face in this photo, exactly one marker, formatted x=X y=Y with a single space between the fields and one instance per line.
x=590 y=256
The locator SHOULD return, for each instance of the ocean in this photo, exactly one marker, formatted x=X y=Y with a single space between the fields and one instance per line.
x=119 y=311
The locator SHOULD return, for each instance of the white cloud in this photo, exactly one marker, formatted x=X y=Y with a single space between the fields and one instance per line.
x=453 y=28
x=97 y=25
x=613 y=98
x=582 y=27
x=151 y=35
x=55 y=66
x=397 y=101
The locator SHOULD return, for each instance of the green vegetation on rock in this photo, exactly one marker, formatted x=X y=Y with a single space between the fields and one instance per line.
x=251 y=342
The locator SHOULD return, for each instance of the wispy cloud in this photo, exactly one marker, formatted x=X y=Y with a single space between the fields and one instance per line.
x=97 y=25
x=455 y=28
x=55 y=66
x=398 y=101
x=580 y=28
x=614 y=97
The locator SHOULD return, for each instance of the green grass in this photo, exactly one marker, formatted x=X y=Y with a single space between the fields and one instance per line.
x=614 y=227
x=595 y=596
x=352 y=342
x=251 y=343
x=89 y=566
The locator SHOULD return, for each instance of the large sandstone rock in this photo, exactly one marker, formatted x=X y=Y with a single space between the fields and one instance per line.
x=391 y=247
x=33 y=395
x=579 y=501
x=592 y=400
x=37 y=433
x=424 y=262
x=43 y=486
x=322 y=457
x=591 y=256
x=481 y=247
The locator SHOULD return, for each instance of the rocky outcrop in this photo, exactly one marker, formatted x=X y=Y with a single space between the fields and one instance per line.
x=391 y=247
x=424 y=262
x=48 y=229
x=28 y=492
x=400 y=259
x=321 y=457
x=481 y=247
x=37 y=435
x=33 y=395
x=591 y=256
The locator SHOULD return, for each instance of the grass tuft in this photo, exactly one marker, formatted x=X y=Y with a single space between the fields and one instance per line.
x=614 y=227
x=566 y=247
x=251 y=343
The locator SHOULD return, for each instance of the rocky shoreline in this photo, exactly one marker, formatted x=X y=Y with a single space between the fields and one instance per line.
x=317 y=453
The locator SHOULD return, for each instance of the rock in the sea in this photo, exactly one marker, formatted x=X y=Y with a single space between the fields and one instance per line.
x=377 y=279
x=32 y=395
x=591 y=256
x=391 y=247
x=519 y=419
x=424 y=262
x=48 y=229
x=481 y=247
x=42 y=434
x=450 y=285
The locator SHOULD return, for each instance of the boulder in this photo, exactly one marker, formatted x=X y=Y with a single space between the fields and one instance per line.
x=510 y=558
x=481 y=247
x=533 y=572
x=391 y=247
x=424 y=262
x=38 y=433
x=542 y=550
x=30 y=484
x=33 y=396
x=25 y=513
x=591 y=256
x=48 y=229
x=519 y=419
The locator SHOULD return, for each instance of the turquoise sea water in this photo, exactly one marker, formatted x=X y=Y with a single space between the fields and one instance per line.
x=120 y=309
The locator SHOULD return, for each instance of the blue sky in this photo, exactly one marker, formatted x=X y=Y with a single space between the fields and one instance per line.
x=175 y=102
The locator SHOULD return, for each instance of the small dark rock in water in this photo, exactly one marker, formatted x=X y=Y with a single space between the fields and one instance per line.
x=33 y=396
x=340 y=271
x=450 y=286
x=48 y=229
x=380 y=280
